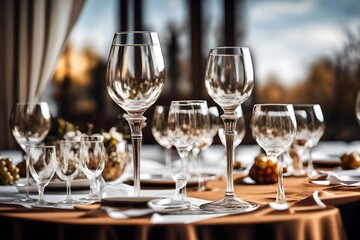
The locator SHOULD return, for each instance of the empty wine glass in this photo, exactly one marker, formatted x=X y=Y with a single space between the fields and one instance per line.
x=203 y=136
x=203 y=143
x=311 y=121
x=92 y=163
x=303 y=135
x=159 y=129
x=274 y=129
x=357 y=107
x=135 y=78
x=42 y=167
x=68 y=166
x=229 y=80
x=29 y=123
x=184 y=127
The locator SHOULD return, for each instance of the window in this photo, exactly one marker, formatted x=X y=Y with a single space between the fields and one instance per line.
x=303 y=52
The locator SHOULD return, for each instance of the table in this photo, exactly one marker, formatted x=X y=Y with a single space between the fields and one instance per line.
x=304 y=220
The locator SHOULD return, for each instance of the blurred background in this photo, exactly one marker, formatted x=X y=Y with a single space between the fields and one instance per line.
x=303 y=52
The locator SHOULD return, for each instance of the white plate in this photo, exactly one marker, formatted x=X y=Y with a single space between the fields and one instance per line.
x=127 y=201
x=54 y=185
x=159 y=180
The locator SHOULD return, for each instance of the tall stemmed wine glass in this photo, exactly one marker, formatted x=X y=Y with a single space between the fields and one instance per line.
x=42 y=166
x=29 y=123
x=159 y=129
x=311 y=119
x=185 y=126
x=229 y=80
x=357 y=107
x=135 y=78
x=274 y=129
x=203 y=143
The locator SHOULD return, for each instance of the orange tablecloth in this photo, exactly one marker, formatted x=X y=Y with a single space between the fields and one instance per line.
x=304 y=219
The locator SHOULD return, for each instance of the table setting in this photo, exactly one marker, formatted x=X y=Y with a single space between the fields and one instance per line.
x=95 y=179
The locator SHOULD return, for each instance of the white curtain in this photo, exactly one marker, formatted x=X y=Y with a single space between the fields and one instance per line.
x=32 y=36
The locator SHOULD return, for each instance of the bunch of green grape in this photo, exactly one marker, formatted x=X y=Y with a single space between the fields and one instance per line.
x=9 y=173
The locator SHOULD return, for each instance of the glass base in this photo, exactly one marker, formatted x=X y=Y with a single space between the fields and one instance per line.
x=90 y=198
x=44 y=204
x=229 y=204
x=279 y=206
x=26 y=200
x=168 y=204
x=299 y=173
x=69 y=202
x=312 y=174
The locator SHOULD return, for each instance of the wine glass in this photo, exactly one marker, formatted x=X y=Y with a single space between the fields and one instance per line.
x=203 y=143
x=159 y=129
x=357 y=107
x=42 y=165
x=68 y=166
x=204 y=133
x=274 y=129
x=311 y=122
x=229 y=80
x=29 y=123
x=92 y=163
x=135 y=78
x=184 y=127
x=303 y=135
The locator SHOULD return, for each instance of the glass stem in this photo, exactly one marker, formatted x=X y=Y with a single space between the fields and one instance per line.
x=41 y=193
x=230 y=120
x=95 y=188
x=68 y=190
x=310 y=167
x=92 y=187
x=136 y=124
x=168 y=153
x=196 y=153
x=181 y=180
x=27 y=163
x=280 y=197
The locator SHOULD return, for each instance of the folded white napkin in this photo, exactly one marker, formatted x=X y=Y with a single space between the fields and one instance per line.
x=350 y=178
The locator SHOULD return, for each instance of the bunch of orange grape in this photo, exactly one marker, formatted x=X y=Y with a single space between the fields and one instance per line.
x=9 y=173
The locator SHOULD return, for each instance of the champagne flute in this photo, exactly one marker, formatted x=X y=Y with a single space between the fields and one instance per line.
x=311 y=119
x=357 y=107
x=92 y=163
x=68 y=167
x=274 y=129
x=229 y=80
x=42 y=166
x=29 y=123
x=135 y=78
x=159 y=129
